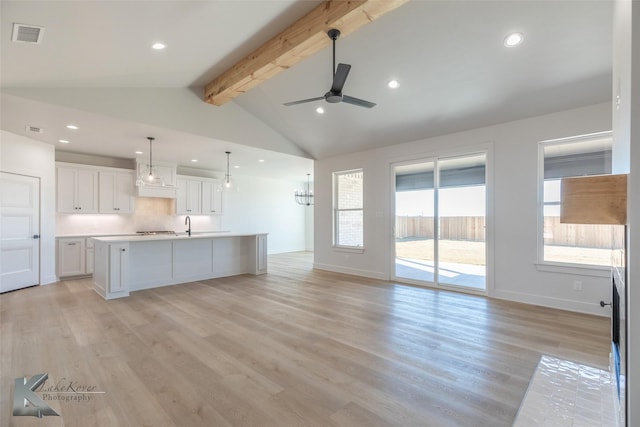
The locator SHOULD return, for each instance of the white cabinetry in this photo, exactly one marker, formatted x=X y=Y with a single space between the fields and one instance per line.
x=71 y=257
x=116 y=191
x=211 y=198
x=88 y=263
x=111 y=275
x=189 y=199
x=163 y=183
x=198 y=196
x=76 y=190
x=125 y=264
x=261 y=248
x=74 y=256
x=163 y=175
x=118 y=268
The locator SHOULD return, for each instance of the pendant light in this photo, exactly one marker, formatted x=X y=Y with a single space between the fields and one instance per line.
x=305 y=197
x=150 y=177
x=227 y=176
x=147 y=177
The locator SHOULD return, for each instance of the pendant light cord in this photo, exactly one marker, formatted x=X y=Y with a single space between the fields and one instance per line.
x=150 y=138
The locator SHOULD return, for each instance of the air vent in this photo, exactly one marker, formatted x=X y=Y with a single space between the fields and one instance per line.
x=34 y=129
x=27 y=33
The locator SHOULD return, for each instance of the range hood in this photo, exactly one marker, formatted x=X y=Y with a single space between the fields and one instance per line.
x=597 y=199
x=164 y=183
x=167 y=192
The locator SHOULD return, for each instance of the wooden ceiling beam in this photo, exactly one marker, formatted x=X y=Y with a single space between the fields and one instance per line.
x=300 y=40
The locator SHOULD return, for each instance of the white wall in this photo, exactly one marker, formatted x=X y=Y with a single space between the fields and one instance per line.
x=263 y=205
x=621 y=89
x=309 y=228
x=627 y=134
x=513 y=213
x=26 y=156
x=626 y=159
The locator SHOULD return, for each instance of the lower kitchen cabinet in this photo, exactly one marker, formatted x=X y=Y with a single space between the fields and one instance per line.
x=74 y=256
x=72 y=260
x=111 y=273
x=125 y=264
x=88 y=264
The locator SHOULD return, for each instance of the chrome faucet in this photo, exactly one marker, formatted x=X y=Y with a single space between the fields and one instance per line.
x=187 y=220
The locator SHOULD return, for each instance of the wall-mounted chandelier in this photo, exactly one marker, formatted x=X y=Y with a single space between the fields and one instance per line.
x=305 y=197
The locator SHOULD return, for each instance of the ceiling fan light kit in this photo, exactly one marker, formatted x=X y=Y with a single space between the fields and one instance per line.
x=340 y=74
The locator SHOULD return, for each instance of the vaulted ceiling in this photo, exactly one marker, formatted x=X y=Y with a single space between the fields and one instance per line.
x=95 y=68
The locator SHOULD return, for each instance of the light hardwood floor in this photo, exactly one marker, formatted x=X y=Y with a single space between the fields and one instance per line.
x=295 y=347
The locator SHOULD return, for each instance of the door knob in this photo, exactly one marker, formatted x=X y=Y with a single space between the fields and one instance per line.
x=36 y=236
x=603 y=304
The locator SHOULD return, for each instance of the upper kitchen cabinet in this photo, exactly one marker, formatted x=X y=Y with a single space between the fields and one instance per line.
x=76 y=189
x=117 y=191
x=198 y=196
x=211 y=198
x=189 y=200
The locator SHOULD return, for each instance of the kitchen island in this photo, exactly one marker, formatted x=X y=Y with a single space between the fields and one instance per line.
x=123 y=264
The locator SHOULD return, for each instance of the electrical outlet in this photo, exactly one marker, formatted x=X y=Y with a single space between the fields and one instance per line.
x=577 y=285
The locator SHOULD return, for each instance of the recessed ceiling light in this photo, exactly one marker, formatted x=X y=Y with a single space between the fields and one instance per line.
x=138 y=152
x=513 y=39
x=320 y=110
x=393 y=84
x=64 y=141
x=261 y=160
x=72 y=127
x=194 y=160
x=236 y=167
x=158 y=46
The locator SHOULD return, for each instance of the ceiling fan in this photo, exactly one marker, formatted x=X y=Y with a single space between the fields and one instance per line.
x=339 y=78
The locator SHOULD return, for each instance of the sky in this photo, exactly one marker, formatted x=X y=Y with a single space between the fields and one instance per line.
x=457 y=201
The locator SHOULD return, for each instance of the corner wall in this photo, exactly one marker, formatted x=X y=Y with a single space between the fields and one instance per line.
x=25 y=156
x=512 y=207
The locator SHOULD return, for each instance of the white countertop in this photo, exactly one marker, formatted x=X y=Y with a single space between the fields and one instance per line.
x=180 y=236
x=73 y=236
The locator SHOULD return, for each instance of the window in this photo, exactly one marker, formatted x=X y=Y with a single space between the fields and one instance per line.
x=348 y=209
x=573 y=243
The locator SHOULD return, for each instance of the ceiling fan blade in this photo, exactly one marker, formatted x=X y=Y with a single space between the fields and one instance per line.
x=358 y=102
x=340 y=77
x=303 y=101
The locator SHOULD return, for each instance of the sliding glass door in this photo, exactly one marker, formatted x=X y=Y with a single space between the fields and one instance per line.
x=415 y=222
x=440 y=216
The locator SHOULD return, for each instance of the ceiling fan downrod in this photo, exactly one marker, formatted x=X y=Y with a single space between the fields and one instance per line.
x=333 y=35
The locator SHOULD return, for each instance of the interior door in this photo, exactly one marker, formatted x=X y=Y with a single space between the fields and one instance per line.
x=19 y=231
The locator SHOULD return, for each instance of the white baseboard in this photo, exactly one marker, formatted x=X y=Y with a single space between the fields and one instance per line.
x=352 y=271
x=545 y=301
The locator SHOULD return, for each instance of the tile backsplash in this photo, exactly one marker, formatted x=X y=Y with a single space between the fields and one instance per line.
x=150 y=214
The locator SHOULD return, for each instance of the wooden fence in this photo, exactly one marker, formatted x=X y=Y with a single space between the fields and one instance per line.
x=472 y=228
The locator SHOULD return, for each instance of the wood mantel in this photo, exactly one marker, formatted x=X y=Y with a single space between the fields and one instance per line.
x=598 y=199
